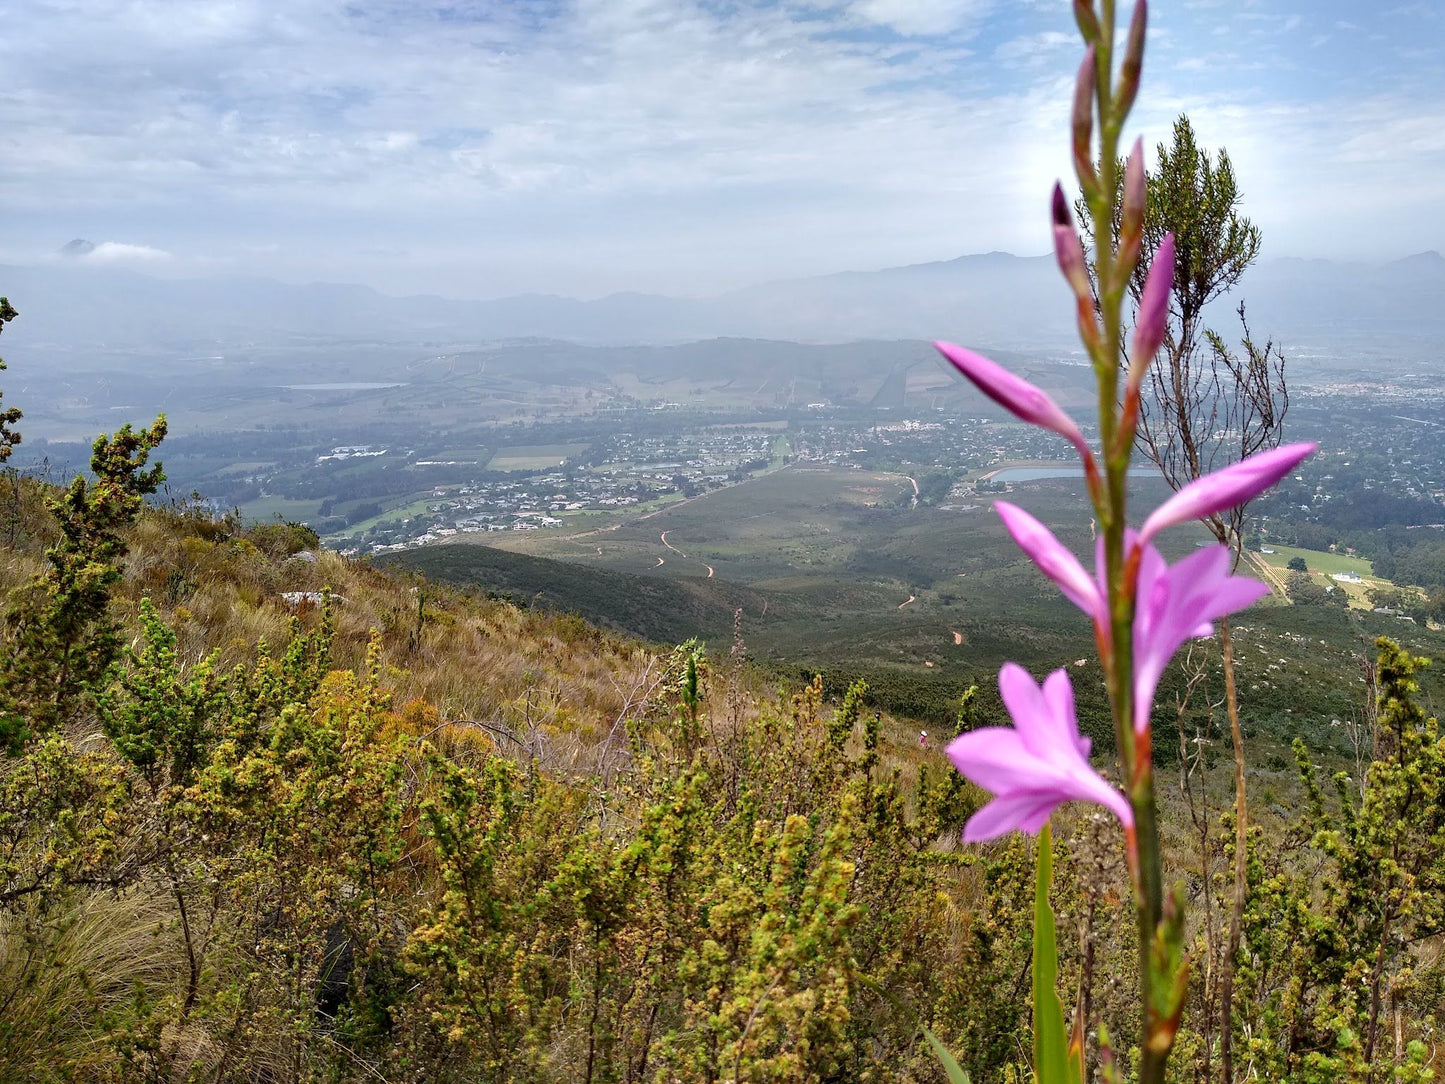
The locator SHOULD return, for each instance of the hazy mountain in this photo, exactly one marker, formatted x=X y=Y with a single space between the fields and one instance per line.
x=995 y=298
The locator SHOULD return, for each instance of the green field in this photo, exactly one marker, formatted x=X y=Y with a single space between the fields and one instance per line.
x=823 y=564
x=473 y=456
x=534 y=457
x=1319 y=561
x=415 y=505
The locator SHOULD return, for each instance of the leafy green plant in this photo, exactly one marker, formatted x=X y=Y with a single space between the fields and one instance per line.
x=1332 y=961
x=61 y=640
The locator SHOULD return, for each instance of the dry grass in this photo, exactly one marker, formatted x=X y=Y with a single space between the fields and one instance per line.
x=469 y=657
x=62 y=977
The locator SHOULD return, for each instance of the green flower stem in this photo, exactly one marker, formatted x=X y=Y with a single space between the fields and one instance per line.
x=1116 y=445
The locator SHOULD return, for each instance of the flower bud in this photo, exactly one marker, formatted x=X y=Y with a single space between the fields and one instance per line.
x=1136 y=199
x=1153 y=318
x=1083 y=120
x=1067 y=248
x=1055 y=561
x=1088 y=21
x=1234 y=485
x=1133 y=61
x=1014 y=394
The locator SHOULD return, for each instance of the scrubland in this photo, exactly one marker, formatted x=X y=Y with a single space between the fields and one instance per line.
x=312 y=820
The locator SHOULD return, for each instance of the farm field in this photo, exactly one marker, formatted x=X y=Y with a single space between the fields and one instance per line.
x=534 y=457
x=1319 y=561
x=833 y=572
x=1324 y=565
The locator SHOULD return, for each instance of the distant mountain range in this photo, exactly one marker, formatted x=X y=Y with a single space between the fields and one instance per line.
x=993 y=299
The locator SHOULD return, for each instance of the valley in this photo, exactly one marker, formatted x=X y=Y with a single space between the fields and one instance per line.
x=835 y=571
x=835 y=498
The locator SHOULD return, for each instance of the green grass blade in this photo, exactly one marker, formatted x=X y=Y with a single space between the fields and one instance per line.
x=1051 y=1042
x=956 y=1075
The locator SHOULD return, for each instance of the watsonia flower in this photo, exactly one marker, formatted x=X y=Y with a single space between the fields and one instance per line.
x=1173 y=603
x=1177 y=603
x=1036 y=765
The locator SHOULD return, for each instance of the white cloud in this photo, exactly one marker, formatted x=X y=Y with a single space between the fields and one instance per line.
x=1035 y=47
x=588 y=145
x=117 y=252
x=922 y=16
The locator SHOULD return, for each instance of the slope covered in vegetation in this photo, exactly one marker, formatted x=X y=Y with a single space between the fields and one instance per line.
x=648 y=607
x=308 y=820
x=267 y=814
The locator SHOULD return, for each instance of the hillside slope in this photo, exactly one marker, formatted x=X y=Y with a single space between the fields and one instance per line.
x=650 y=608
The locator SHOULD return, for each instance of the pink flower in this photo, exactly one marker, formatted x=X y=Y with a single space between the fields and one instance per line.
x=1014 y=394
x=1153 y=317
x=1223 y=489
x=1172 y=604
x=1178 y=603
x=1034 y=766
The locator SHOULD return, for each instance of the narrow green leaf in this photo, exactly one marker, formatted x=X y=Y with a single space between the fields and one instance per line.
x=1051 y=1042
x=1076 y=1064
x=956 y=1075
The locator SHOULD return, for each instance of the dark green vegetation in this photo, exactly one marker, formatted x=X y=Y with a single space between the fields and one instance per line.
x=268 y=814
x=829 y=558
x=652 y=608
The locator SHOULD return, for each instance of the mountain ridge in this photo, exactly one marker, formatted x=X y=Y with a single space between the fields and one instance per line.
x=993 y=297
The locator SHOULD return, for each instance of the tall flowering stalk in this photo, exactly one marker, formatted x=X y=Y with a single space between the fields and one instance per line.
x=1141 y=608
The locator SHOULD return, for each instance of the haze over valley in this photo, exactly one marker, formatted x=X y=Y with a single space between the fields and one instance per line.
x=794 y=456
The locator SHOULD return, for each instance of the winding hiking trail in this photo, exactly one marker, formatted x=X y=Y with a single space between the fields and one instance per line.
x=660 y=563
x=663 y=539
x=905 y=602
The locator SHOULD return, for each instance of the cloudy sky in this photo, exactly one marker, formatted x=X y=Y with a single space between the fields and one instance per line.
x=485 y=147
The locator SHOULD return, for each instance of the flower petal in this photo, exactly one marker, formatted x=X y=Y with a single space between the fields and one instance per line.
x=1054 y=560
x=1094 y=788
x=1038 y=764
x=1024 y=700
x=997 y=759
x=1179 y=603
x=1227 y=488
x=1013 y=393
x=1007 y=813
x=1063 y=722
